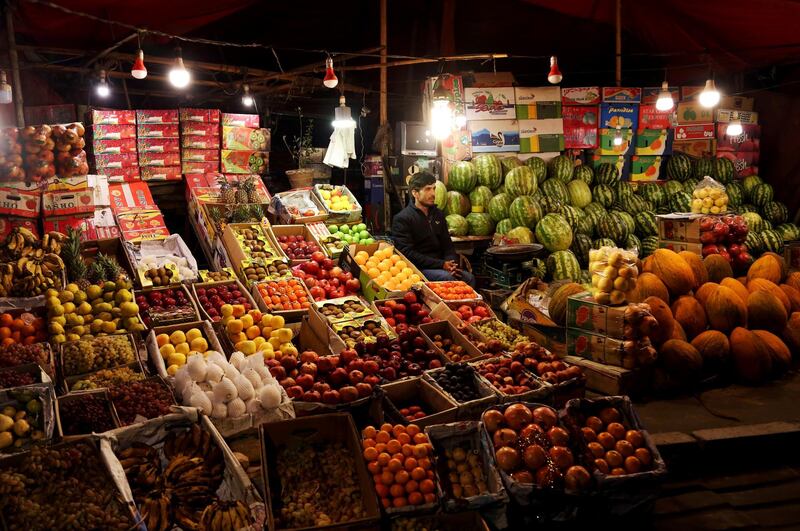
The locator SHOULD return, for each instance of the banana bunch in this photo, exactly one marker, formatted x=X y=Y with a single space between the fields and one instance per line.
x=226 y=516
x=32 y=266
x=156 y=512
x=141 y=465
x=190 y=481
x=194 y=442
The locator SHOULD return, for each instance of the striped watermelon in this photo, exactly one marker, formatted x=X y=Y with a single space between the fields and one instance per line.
x=606 y=173
x=773 y=241
x=440 y=197
x=735 y=193
x=581 y=244
x=499 y=190
x=663 y=209
x=750 y=182
x=762 y=194
x=550 y=205
x=509 y=163
x=646 y=224
x=679 y=167
x=775 y=212
x=572 y=215
x=603 y=194
x=689 y=185
x=539 y=167
x=703 y=167
x=743 y=209
x=457 y=203
x=613 y=227
x=584 y=172
x=457 y=225
x=586 y=277
x=754 y=221
x=488 y=169
x=563 y=265
x=653 y=193
x=633 y=243
x=480 y=224
x=521 y=235
x=627 y=218
x=767 y=224
x=680 y=202
x=672 y=187
x=754 y=243
x=521 y=181
x=789 y=231
x=498 y=207
x=585 y=225
x=649 y=246
x=595 y=211
x=539 y=268
x=462 y=177
x=634 y=204
x=603 y=242
x=480 y=196
x=524 y=212
x=723 y=170
x=560 y=168
x=555 y=189
x=554 y=233
x=580 y=194
x=503 y=226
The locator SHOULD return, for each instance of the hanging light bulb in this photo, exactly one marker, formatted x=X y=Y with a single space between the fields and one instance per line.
x=330 y=80
x=710 y=95
x=247 y=99
x=5 y=89
x=139 y=71
x=442 y=116
x=179 y=77
x=102 y=88
x=734 y=126
x=343 y=119
x=554 y=76
x=618 y=137
x=460 y=120
x=665 y=101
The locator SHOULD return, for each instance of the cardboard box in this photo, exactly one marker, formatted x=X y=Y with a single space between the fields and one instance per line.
x=247 y=138
x=8 y=223
x=745 y=162
x=369 y=288
x=240 y=120
x=199 y=155
x=121 y=175
x=68 y=203
x=652 y=118
x=749 y=140
x=199 y=129
x=623 y=164
x=537 y=103
x=598 y=348
x=691 y=112
x=736 y=103
x=112 y=117
x=19 y=204
x=607 y=137
x=86 y=225
x=448 y=330
x=679 y=227
x=209 y=116
x=419 y=391
x=496 y=103
x=161 y=173
x=111 y=147
x=580 y=96
x=746 y=117
x=200 y=142
x=493 y=136
x=158 y=131
x=684 y=132
x=105 y=224
x=158 y=145
x=286 y=217
x=293 y=230
x=458 y=146
x=162 y=116
x=116 y=161
x=691 y=93
x=142 y=225
x=585 y=314
x=677 y=247
x=653 y=142
x=650 y=94
x=199 y=167
x=159 y=159
x=131 y=196
x=580 y=126
x=695 y=148
x=537 y=136
x=77 y=397
x=622 y=115
x=622 y=94
x=645 y=167
x=250 y=162
x=111 y=132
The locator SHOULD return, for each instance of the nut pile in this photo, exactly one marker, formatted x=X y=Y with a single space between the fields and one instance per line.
x=218 y=276
x=84 y=414
x=337 y=311
x=102 y=352
x=148 y=399
x=353 y=333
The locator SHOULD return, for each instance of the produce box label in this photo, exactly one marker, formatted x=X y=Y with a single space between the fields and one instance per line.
x=235 y=161
x=653 y=142
x=119 y=160
x=200 y=155
x=18 y=203
x=537 y=103
x=652 y=118
x=580 y=126
x=694 y=132
x=736 y=103
x=679 y=228
x=199 y=167
x=536 y=136
x=691 y=93
x=159 y=159
x=490 y=103
x=240 y=120
x=746 y=117
x=598 y=348
x=105 y=225
x=745 y=162
x=694 y=148
x=749 y=140
x=678 y=246
x=142 y=226
x=455 y=147
x=586 y=314
x=246 y=138
x=580 y=96
x=67 y=184
x=622 y=115
x=453 y=85
x=490 y=136
x=131 y=196
x=161 y=173
x=121 y=175
x=650 y=94
x=7 y=224
x=645 y=167
x=112 y=117
x=199 y=129
x=200 y=142
x=161 y=116
x=607 y=137
x=158 y=131
x=112 y=132
x=113 y=147
x=66 y=203
x=623 y=164
x=622 y=94
x=209 y=116
x=86 y=224
x=691 y=112
x=158 y=145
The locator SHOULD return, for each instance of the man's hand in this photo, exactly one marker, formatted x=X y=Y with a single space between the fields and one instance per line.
x=450 y=266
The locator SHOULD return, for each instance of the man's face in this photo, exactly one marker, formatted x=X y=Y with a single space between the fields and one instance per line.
x=425 y=196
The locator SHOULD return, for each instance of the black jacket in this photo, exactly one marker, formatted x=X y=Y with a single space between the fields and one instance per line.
x=423 y=239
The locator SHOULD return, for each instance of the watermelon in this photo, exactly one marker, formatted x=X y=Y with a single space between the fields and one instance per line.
x=440 y=197
x=622 y=189
x=775 y=212
x=521 y=235
x=633 y=243
x=735 y=193
x=789 y=231
x=750 y=182
x=603 y=194
x=572 y=215
x=773 y=241
x=679 y=167
x=585 y=226
x=524 y=212
x=480 y=196
x=680 y=202
x=754 y=243
x=649 y=246
x=457 y=203
x=689 y=185
x=551 y=205
x=646 y=224
x=613 y=227
x=555 y=189
x=766 y=224
x=499 y=190
x=560 y=168
x=457 y=225
x=462 y=177
x=762 y=194
x=603 y=242
x=520 y=181
x=672 y=187
x=554 y=233
x=498 y=206
x=627 y=219
x=538 y=268
x=489 y=170
x=539 y=168
x=563 y=265
x=653 y=193
x=723 y=170
x=584 y=172
x=580 y=194
x=634 y=204
x=509 y=163
x=606 y=173
x=581 y=244
x=703 y=167
x=480 y=224
x=743 y=209
x=503 y=226
x=754 y=221
x=595 y=210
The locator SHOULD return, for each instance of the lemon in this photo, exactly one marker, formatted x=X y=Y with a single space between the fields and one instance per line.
x=199 y=344
x=183 y=348
x=172 y=369
x=194 y=333
x=177 y=337
x=162 y=339
x=167 y=350
x=176 y=358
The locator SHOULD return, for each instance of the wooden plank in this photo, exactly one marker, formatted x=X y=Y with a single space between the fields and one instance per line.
x=784 y=515
x=730 y=482
x=719 y=519
x=764 y=495
x=608 y=379
x=689 y=501
x=748 y=431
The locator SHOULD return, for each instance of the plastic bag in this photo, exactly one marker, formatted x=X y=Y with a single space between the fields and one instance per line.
x=709 y=197
x=614 y=273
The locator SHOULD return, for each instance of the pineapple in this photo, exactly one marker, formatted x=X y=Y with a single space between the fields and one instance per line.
x=249 y=186
x=110 y=266
x=241 y=193
x=71 y=254
x=227 y=191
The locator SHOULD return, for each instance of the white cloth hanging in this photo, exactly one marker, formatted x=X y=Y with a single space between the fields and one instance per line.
x=342 y=147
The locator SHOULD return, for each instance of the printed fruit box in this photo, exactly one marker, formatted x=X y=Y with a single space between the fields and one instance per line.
x=161 y=116
x=240 y=120
x=131 y=196
x=492 y=136
x=116 y=161
x=580 y=95
x=8 y=223
x=159 y=159
x=623 y=164
x=246 y=138
x=607 y=137
x=161 y=173
x=346 y=210
x=457 y=146
x=586 y=314
x=746 y=117
x=142 y=225
x=158 y=131
x=749 y=140
x=653 y=142
x=199 y=167
x=111 y=147
x=112 y=132
x=541 y=136
x=580 y=126
x=679 y=227
x=112 y=117
x=652 y=118
x=745 y=162
x=645 y=167
x=695 y=148
x=622 y=94
x=18 y=203
x=121 y=175
x=692 y=112
x=693 y=132
x=537 y=103
x=622 y=115
x=158 y=145
x=691 y=92
x=199 y=155
x=323 y=306
x=650 y=94
x=199 y=129
x=243 y=161
x=67 y=203
x=200 y=142
x=599 y=348
x=209 y=116
x=418 y=391
x=496 y=103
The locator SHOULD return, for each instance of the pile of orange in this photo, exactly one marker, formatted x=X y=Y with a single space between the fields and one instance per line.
x=389 y=270
x=25 y=329
x=283 y=295
x=399 y=459
x=453 y=290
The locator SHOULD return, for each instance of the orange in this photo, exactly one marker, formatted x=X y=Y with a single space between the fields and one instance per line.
x=401 y=477
x=430 y=497
x=368 y=443
x=30 y=340
x=420 y=451
x=393 y=446
x=412 y=429
x=403 y=438
x=377 y=479
x=418 y=474
x=28 y=330
x=410 y=464
x=430 y=474
x=6 y=319
x=387 y=478
x=384 y=458
x=386 y=427
x=412 y=486
x=395 y=465
x=425 y=463
x=5 y=332
x=369 y=432
x=397 y=491
x=420 y=438
x=386 y=503
x=370 y=454
x=17 y=324
x=6 y=342
x=382 y=437
x=408 y=450
x=382 y=490
x=397 y=430
x=400 y=457
x=426 y=486
x=399 y=502
x=381 y=447
x=415 y=498
x=374 y=468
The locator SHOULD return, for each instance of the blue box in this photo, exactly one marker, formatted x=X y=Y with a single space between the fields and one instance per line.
x=622 y=115
x=494 y=136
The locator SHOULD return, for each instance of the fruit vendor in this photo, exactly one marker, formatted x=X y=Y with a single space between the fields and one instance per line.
x=420 y=232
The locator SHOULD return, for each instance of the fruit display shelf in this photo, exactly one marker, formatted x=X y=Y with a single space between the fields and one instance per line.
x=86 y=356
x=496 y=370
x=296 y=242
x=418 y=391
x=343 y=309
x=84 y=413
x=113 y=247
x=339 y=202
x=166 y=306
x=27 y=417
x=153 y=349
x=366 y=329
x=39 y=353
x=212 y=296
x=135 y=370
x=468 y=389
x=283 y=293
x=448 y=338
x=454 y=291
x=384 y=272
x=29 y=374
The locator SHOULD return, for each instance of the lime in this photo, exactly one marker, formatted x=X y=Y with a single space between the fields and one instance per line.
x=345 y=228
x=360 y=227
x=368 y=241
x=363 y=235
x=332 y=228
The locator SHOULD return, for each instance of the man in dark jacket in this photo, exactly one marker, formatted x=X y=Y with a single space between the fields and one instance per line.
x=420 y=233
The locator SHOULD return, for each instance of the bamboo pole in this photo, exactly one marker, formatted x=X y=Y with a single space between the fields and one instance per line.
x=618 y=44
x=384 y=117
x=421 y=60
x=13 y=58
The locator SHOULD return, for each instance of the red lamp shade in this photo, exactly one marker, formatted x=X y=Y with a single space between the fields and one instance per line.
x=554 y=76
x=139 y=71
x=330 y=80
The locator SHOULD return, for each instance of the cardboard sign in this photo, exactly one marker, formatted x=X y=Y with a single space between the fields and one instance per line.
x=650 y=94
x=693 y=132
x=746 y=117
x=240 y=120
x=537 y=103
x=691 y=112
x=112 y=132
x=18 y=203
x=580 y=96
x=580 y=126
x=112 y=117
x=131 y=196
x=492 y=136
x=645 y=168
x=158 y=145
x=158 y=131
x=653 y=142
x=652 y=118
x=536 y=136
x=209 y=116
x=749 y=140
x=622 y=94
x=622 y=115
x=163 y=116
x=490 y=103
x=607 y=137
x=113 y=147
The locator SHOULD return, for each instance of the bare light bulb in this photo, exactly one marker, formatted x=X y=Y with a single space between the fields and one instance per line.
x=103 y=89
x=247 y=99
x=664 y=101
x=710 y=95
x=179 y=77
x=618 y=137
x=5 y=89
x=330 y=79
x=554 y=76
x=343 y=118
x=139 y=71
x=734 y=126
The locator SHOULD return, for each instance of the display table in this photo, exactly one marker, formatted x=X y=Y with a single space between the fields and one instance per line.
x=468 y=245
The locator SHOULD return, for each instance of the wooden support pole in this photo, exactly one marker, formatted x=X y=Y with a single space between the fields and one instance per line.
x=384 y=118
x=447 y=40
x=421 y=60
x=618 y=44
x=13 y=58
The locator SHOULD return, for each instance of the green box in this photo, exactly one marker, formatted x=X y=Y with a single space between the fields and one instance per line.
x=645 y=168
x=583 y=313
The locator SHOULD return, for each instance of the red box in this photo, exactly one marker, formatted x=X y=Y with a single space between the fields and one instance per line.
x=161 y=173
x=199 y=167
x=158 y=131
x=652 y=118
x=745 y=162
x=130 y=196
x=650 y=95
x=113 y=147
x=749 y=140
x=622 y=94
x=580 y=126
x=121 y=175
x=142 y=225
x=68 y=203
x=693 y=132
x=117 y=161
x=159 y=145
x=61 y=224
x=200 y=142
x=18 y=203
x=694 y=148
x=112 y=117
x=200 y=155
x=7 y=224
x=199 y=129
x=691 y=93
x=159 y=159
x=112 y=132
x=162 y=116
x=209 y=116
x=240 y=120
x=580 y=95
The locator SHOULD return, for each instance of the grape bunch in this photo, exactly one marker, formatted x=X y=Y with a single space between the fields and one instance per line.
x=85 y=414
x=18 y=354
x=102 y=352
x=148 y=399
x=107 y=378
x=10 y=379
x=458 y=379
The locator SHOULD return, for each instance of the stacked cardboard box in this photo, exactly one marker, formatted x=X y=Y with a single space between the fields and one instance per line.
x=200 y=140
x=158 y=145
x=112 y=135
x=79 y=202
x=743 y=150
x=491 y=119
x=654 y=136
x=694 y=131
x=245 y=146
x=619 y=115
x=581 y=114
x=20 y=205
x=136 y=213
x=538 y=113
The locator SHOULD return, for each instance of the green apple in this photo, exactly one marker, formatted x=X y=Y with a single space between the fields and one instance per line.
x=333 y=228
x=368 y=241
x=360 y=227
x=363 y=235
x=345 y=228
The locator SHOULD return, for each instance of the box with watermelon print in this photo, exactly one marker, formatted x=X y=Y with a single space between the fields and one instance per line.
x=749 y=140
x=623 y=164
x=744 y=162
x=492 y=136
x=652 y=118
x=653 y=142
x=607 y=137
x=584 y=313
x=691 y=112
x=619 y=115
x=537 y=103
x=536 y=136
x=645 y=167
x=580 y=126
x=496 y=103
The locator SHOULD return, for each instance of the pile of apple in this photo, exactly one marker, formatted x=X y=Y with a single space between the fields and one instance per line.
x=544 y=363
x=296 y=247
x=164 y=305
x=326 y=280
x=508 y=376
x=408 y=311
x=407 y=355
x=472 y=312
x=326 y=379
x=214 y=298
x=725 y=236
